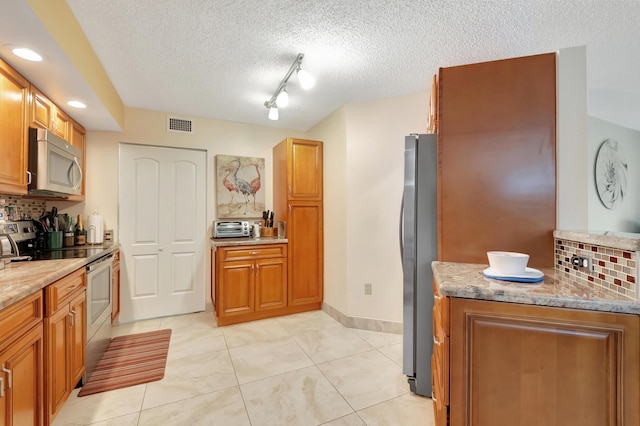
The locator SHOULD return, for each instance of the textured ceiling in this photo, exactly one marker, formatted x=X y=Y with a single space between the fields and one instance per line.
x=223 y=58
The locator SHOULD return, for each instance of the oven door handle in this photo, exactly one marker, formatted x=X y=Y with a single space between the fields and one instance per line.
x=99 y=263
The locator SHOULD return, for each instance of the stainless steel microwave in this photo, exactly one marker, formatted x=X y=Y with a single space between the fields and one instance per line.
x=55 y=166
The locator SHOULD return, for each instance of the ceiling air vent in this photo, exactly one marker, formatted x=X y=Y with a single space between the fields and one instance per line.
x=179 y=125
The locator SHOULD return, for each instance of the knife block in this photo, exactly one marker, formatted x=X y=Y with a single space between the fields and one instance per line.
x=268 y=232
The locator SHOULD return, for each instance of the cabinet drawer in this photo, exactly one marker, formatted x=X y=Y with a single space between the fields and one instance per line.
x=57 y=293
x=20 y=317
x=252 y=252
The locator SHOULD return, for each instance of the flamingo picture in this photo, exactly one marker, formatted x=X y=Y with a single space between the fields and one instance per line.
x=239 y=175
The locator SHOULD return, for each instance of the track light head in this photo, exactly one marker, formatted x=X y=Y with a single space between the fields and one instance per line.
x=281 y=96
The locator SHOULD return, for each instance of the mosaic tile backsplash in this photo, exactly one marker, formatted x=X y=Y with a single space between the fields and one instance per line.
x=22 y=208
x=613 y=269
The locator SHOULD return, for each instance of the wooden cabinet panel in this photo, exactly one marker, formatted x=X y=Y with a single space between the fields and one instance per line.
x=521 y=364
x=237 y=288
x=14 y=139
x=57 y=361
x=77 y=338
x=305 y=170
x=61 y=124
x=20 y=317
x=65 y=340
x=297 y=198
x=496 y=156
x=58 y=293
x=271 y=284
x=22 y=380
x=41 y=109
x=304 y=230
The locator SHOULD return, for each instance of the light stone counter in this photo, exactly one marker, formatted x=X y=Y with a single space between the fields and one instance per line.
x=226 y=242
x=20 y=279
x=558 y=289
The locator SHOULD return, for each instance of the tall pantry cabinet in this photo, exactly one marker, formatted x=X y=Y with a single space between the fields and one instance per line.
x=297 y=200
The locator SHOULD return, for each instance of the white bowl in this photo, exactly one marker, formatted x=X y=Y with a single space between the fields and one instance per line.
x=507 y=263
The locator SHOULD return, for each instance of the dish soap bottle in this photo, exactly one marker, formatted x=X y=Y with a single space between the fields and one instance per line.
x=81 y=233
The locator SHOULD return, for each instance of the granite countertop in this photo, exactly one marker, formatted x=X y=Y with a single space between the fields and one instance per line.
x=558 y=289
x=20 y=279
x=226 y=242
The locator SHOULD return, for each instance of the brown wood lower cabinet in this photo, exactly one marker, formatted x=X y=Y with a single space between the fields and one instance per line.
x=250 y=282
x=21 y=363
x=65 y=339
x=513 y=364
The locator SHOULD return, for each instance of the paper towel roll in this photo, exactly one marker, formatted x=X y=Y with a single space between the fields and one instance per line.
x=94 y=229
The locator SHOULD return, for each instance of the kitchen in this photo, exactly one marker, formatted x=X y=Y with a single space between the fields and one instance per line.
x=355 y=159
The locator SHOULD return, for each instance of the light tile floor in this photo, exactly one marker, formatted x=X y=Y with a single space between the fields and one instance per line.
x=302 y=369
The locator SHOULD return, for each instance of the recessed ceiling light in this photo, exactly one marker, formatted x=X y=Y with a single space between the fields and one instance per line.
x=76 y=104
x=27 y=54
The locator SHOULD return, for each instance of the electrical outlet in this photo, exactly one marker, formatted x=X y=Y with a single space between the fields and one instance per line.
x=582 y=262
x=367 y=288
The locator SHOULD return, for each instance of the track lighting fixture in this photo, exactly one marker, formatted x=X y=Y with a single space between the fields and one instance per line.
x=280 y=97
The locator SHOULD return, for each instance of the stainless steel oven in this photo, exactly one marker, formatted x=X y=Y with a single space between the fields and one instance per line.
x=98 y=309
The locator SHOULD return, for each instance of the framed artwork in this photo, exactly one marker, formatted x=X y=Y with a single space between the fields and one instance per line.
x=239 y=187
x=610 y=174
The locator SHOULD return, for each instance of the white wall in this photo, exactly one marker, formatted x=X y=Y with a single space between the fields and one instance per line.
x=571 y=134
x=626 y=216
x=332 y=131
x=363 y=189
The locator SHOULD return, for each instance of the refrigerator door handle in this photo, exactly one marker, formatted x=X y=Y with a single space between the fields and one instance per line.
x=401 y=228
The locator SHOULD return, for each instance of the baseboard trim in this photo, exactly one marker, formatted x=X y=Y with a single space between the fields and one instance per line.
x=362 y=323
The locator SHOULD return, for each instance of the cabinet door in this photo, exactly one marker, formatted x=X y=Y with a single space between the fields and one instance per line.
x=61 y=123
x=77 y=338
x=14 y=96
x=304 y=232
x=519 y=364
x=41 y=109
x=305 y=169
x=237 y=288
x=22 y=401
x=57 y=362
x=271 y=283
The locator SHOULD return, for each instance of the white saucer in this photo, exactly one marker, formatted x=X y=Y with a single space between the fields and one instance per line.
x=530 y=276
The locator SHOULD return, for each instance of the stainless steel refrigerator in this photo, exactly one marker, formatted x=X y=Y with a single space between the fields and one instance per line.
x=418 y=248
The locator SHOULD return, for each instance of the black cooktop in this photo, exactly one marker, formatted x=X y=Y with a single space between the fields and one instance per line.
x=64 y=253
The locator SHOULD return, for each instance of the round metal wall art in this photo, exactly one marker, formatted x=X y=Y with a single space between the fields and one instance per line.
x=610 y=174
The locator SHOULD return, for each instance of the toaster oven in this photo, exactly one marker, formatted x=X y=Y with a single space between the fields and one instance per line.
x=231 y=229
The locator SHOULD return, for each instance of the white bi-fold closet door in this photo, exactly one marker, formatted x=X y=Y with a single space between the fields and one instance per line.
x=162 y=231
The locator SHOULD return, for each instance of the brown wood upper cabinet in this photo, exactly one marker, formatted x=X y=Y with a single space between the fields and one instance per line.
x=47 y=115
x=14 y=142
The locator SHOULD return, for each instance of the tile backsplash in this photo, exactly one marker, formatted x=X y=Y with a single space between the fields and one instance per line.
x=23 y=208
x=613 y=268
